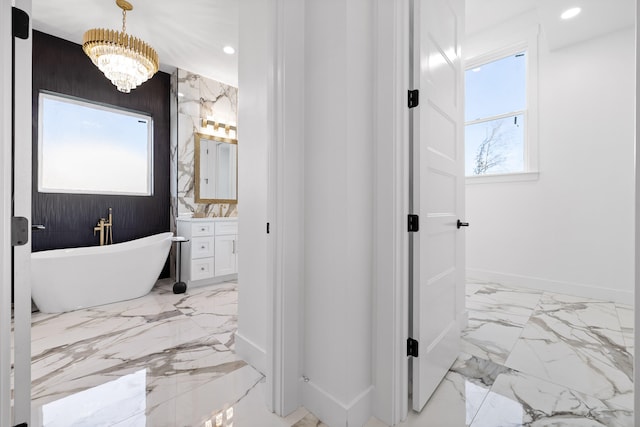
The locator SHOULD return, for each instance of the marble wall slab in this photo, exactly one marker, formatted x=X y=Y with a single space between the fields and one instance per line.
x=198 y=98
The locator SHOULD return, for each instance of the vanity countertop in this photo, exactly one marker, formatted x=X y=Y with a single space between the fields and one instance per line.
x=215 y=219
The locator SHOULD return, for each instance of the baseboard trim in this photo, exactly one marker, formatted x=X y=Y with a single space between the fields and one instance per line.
x=251 y=353
x=577 y=289
x=333 y=412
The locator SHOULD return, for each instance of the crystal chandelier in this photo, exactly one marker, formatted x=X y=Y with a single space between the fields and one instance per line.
x=125 y=60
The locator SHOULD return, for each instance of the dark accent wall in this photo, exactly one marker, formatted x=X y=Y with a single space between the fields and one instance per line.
x=62 y=67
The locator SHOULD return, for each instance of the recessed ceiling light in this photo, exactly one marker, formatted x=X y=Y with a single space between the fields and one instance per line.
x=570 y=13
x=228 y=50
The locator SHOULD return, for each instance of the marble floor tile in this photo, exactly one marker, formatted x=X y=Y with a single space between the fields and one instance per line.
x=530 y=359
x=157 y=337
x=495 y=298
x=497 y=315
x=577 y=343
x=626 y=316
x=460 y=394
x=518 y=400
x=236 y=399
x=491 y=337
x=309 y=420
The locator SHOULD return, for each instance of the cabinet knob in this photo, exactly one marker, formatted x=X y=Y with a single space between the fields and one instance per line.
x=201 y=268
x=202 y=247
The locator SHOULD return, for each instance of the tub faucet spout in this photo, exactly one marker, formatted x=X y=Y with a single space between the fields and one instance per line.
x=100 y=228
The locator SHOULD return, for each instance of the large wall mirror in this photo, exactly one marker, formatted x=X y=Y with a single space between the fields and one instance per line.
x=216 y=169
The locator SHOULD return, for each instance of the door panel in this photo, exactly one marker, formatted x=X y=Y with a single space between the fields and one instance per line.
x=438 y=193
x=443 y=126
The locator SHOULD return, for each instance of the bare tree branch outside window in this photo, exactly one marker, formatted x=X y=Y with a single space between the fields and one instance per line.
x=492 y=151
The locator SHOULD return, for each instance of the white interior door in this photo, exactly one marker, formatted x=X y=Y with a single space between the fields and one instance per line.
x=438 y=192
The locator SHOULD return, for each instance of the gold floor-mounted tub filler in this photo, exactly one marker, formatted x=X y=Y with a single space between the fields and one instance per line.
x=104 y=226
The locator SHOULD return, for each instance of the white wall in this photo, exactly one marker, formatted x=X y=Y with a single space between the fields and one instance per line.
x=338 y=210
x=571 y=230
x=253 y=134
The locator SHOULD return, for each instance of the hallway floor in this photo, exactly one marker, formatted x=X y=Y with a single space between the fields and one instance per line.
x=529 y=358
x=537 y=359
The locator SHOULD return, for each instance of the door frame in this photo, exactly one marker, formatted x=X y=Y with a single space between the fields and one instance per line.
x=391 y=243
x=15 y=200
x=22 y=177
x=636 y=330
x=285 y=206
x=6 y=120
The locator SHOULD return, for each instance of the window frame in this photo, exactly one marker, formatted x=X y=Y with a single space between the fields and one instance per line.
x=43 y=94
x=530 y=143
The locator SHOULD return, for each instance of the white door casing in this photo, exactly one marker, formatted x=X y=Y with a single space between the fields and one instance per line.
x=22 y=208
x=6 y=119
x=438 y=192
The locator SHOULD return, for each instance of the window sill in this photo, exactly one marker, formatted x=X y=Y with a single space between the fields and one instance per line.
x=503 y=177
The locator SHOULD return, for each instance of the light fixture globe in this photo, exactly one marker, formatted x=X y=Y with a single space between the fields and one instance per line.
x=125 y=60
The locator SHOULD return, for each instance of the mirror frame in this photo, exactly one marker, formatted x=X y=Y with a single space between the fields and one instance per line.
x=196 y=176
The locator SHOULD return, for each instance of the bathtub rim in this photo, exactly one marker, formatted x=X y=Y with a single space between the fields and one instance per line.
x=91 y=250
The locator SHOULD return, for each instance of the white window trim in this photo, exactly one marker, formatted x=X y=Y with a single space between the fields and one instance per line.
x=531 y=168
x=503 y=177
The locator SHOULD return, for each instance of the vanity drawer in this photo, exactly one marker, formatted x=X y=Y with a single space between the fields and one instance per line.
x=202 y=269
x=202 y=247
x=230 y=227
x=202 y=229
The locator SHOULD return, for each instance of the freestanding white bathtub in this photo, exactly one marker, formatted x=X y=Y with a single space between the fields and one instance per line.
x=70 y=279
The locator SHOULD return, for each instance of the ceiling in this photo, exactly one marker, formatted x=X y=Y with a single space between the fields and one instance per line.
x=598 y=17
x=190 y=34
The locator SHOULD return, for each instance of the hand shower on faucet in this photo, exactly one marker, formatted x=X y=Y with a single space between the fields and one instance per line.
x=105 y=227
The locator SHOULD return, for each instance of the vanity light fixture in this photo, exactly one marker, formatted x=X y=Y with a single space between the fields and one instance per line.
x=125 y=60
x=570 y=13
x=217 y=125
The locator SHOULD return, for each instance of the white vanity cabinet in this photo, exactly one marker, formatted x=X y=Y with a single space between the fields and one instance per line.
x=226 y=248
x=210 y=255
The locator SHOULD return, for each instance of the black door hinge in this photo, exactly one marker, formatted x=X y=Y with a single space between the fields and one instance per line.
x=267 y=228
x=20 y=23
x=19 y=231
x=413 y=224
x=412 y=347
x=414 y=98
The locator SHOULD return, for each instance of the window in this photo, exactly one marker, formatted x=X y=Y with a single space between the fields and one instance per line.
x=93 y=149
x=499 y=130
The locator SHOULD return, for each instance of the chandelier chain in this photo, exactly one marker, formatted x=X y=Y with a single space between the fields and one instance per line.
x=124 y=21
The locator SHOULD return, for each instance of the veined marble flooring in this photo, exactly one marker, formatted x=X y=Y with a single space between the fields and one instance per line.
x=538 y=359
x=529 y=359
